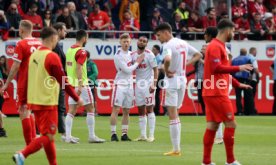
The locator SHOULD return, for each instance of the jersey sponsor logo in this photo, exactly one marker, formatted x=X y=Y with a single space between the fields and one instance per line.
x=129 y=63
x=216 y=60
x=142 y=66
x=69 y=63
x=270 y=51
x=10 y=48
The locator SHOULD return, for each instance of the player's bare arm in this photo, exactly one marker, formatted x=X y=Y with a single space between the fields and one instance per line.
x=167 y=61
x=12 y=74
x=196 y=57
x=79 y=75
x=155 y=76
x=246 y=67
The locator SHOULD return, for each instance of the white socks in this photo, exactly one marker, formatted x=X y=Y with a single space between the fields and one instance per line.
x=90 y=120
x=113 y=129
x=124 y=129
x=68 y=125
x=151 y=121
x=143 y=125
x=219 y=134
x=175 y=130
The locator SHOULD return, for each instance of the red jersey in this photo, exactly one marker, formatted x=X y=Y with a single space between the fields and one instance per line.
x=197 y=24
x=207 y=22
x=240 y=24
x=217 y=69
x=23 y=50
x=97 y=20
x=132 y=22
x=257 y=8
x=238 y=11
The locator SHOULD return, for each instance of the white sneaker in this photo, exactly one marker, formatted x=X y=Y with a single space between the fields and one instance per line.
x=141 y=138
x=218 y=141
x=96 y=139
x=71 y=140
x=209 y=164
x=150 y=139
x=18 y=159
x=63 y=138
x=234 y=163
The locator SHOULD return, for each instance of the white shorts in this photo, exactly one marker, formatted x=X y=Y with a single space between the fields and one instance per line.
x=174 y=97
x=122 y=96
x=86 y=96
x=144 y=97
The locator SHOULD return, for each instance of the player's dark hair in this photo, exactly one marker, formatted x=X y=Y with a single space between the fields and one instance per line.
x=225 y=23
x=163 y=26
x=157 y=47
x=59 y=26
x=143 y=36
x=211 y=31
x=81 y=34
x=47 y=32
x=208 y=10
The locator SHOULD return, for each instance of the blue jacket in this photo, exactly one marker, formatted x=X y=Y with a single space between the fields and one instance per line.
x=241 y=60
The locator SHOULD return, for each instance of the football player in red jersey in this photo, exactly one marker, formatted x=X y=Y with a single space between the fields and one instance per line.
x=23 y=50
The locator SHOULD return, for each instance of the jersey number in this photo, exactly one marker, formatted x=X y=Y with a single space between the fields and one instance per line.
x=184 y=59
x=32 y=49
x=148 y=100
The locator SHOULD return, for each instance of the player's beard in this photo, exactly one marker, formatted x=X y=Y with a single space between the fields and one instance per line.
x=141 y=47
x=83 y=45
x=229 y=37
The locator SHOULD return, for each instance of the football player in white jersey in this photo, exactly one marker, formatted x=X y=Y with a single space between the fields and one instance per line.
x=123 y=93
x=146 y=79
x=175 y=61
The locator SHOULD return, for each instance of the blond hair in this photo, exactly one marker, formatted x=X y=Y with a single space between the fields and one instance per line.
x=124 y=36
x=26 y=25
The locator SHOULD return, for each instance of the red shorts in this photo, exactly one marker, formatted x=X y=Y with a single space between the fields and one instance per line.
x=46 y=120
x=218 y=109
x=21 y=96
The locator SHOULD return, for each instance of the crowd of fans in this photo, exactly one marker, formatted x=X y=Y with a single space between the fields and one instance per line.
x=254 y=19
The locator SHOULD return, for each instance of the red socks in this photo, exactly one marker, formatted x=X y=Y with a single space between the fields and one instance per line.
x=229 y=144
x=208 y=141
x=27 y=130
x=37 y=144
x=32 y=120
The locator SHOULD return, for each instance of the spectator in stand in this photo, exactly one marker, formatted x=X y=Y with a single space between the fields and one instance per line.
x=66 y=18
x=131 y=5
x=242 y=26
x=221 y=7
x=195 y=22
x=75 y=15
x=192 y=5
x=210 y=19
x=47 y=20
x=182 y=10
x=273 y=10
x=111 y=28
x=84 y=17
x=98 y=20
x=130 y=23
x=258 y=7
x=90 y=6
x=178 y=25
x=13 y=18
x=156 y=19
x=270 y=24
x=258 y=28
x=223 y=15
x=238 y=10
x=33 y=17
x=105 y=5
x=4 y=26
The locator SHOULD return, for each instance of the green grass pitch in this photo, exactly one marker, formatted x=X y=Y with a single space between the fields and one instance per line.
x=255 y=144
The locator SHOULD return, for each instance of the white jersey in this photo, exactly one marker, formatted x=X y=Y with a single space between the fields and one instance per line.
x=178 y=50
x=125 y=67
x=144 y=70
